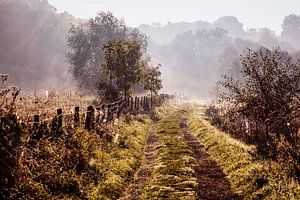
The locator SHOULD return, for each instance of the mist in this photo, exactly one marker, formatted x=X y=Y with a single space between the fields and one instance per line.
x=33 y=47
x=195 y=55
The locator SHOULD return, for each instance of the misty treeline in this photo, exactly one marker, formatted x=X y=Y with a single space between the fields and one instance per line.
x=33 y=44
x=41 y=49
x=196 y=54
x=33 y=47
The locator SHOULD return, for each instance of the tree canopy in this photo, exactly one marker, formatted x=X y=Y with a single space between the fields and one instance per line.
x=268 y=93
x=124 y=64
x=87 y=40
x=152 y=80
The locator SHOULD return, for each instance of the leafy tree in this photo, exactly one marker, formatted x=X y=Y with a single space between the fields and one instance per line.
x=86 y=41
x=267 y=95
x=152 y=80
x=124 y=64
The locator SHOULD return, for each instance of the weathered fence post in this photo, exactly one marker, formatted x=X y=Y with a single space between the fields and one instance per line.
x=142 y=102
x=97 y=120
x=60 y=118
x=135 y=103
x=36 y=122
x=147 y=103
x=138 y=103
x=77 y=116
x=103 y=112
x=131 y=104
x=90 y=117
x=120 y=109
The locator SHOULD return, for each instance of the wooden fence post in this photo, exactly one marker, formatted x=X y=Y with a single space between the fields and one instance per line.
x=90 y=118
x=120 y=109
x=135 y=102
x=142 y=102
x=131 y=104
x=103 y=111
x=97 y=120
x=36 y=122
x=77 y=116
x=138 y=103
x=60 y=118
x=147 y=104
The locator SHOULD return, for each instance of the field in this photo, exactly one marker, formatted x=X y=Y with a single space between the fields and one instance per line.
x=168 y=152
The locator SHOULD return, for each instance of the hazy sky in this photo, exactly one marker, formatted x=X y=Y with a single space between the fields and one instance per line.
x=252 y=13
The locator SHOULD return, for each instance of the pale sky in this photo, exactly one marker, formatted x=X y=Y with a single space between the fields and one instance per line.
x=252 y=13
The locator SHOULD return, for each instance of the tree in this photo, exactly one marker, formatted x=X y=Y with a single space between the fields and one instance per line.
x=152 y=80
x=291 y=30
x=86 y=41
x=124 y=64
x=267 y=95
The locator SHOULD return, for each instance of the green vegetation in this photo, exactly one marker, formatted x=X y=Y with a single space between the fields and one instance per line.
x=250 y=177
x=79 y=164
x=124 y=64
x=119 y=162
x=152 y=81
x=173 y=168
x=86 y=41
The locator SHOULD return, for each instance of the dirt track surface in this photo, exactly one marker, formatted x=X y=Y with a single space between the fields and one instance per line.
x=212 y=183
x=145 y=171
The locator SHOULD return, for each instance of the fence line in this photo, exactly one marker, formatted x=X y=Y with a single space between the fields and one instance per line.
x=94 y=115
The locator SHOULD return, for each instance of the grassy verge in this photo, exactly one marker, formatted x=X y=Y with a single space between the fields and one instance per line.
x=81 y=164
x=250 y=177
x=118 y=162
x=173 y=172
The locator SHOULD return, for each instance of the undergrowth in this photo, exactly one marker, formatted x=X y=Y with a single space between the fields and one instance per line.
x=82 y=165
x=250 y=176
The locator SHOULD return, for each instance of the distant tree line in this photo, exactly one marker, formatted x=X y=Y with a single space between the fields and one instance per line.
x=198 y=53
x=33 y=44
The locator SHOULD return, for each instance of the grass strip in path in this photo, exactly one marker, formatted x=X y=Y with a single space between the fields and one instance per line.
x=173 y=174
x=145 y=171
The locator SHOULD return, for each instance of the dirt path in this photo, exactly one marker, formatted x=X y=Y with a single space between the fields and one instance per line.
x=145 y=171
x=212 y=183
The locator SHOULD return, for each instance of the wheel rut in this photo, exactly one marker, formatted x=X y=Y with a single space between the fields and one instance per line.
x=144 y=173
x=212 y=182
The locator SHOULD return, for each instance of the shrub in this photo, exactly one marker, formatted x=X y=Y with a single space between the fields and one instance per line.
x=265 y=102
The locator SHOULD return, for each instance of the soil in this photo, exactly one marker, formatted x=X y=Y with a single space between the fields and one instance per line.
x=144 y=173
x=212 y=182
